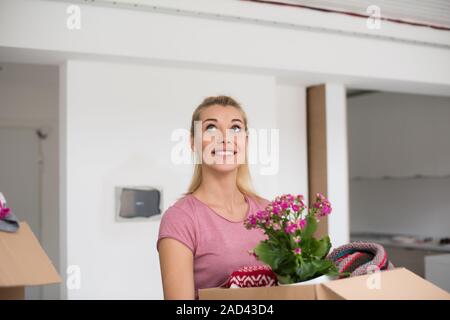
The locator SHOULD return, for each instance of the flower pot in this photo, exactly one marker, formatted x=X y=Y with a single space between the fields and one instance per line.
x=321 y=279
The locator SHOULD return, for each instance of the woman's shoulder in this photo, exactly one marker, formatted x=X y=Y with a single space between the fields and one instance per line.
x=184 y=205
x=179 y=222
x=261 y=202
x=181 y=213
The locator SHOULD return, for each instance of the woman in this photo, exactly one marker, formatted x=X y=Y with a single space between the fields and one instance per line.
x=202 y=238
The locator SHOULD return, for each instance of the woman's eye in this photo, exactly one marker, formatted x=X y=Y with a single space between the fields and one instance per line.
x=236 y=128
x=210 y=127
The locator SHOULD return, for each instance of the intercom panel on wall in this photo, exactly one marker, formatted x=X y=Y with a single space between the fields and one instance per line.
x=138 y=203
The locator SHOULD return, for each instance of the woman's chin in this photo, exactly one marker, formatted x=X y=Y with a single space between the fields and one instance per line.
x=223 y=167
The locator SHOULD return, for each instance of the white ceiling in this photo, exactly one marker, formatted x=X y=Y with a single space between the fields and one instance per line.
x=434 y=12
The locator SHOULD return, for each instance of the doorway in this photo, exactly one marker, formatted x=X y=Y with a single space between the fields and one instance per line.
x=20 y=175
x=29 y=165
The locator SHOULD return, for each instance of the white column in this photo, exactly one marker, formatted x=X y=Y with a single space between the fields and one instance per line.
x=337 y=163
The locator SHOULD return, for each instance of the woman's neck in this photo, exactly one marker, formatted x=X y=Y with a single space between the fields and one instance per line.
x=219 y=188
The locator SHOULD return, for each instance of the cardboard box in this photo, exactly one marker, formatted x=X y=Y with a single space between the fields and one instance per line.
x=397 y=284
x=23 y=263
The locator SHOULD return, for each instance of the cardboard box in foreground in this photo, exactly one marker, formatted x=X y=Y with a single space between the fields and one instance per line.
x=397 y=284
x=23 y=263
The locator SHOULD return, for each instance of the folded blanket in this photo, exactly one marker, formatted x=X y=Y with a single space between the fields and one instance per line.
x=360 y=258
x=251 y=276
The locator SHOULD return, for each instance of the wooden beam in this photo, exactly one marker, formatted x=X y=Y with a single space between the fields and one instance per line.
x=317 y=148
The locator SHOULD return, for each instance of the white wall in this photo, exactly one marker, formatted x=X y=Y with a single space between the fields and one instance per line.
x=29 y=98
x=118 y=126
x=290 y=117
x=400 y=135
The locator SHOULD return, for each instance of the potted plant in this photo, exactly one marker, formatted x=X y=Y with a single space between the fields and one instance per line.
x=291 y=249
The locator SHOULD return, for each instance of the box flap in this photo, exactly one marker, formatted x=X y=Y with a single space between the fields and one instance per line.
x=260 y=293
x=325 y=293
x=23 y=261
x=397 y=284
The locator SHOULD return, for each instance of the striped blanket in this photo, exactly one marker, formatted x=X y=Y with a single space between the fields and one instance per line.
x=359 y=258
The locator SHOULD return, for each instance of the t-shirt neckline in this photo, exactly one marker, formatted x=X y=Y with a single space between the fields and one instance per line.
x=216 y=213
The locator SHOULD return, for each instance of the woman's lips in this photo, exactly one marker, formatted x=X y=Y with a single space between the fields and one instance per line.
x=222 y=153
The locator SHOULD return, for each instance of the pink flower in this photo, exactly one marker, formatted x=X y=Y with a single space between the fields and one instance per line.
x=302 y=224
x=290 y=227
x=251 y=222
x=276 y=226
x=262 y=216
x=322 y=205
x=4 y=211
x=298 y=251
x=285 y=201
x=326 y=209
x=259 y=219
x=297 y=239
x=276 y=209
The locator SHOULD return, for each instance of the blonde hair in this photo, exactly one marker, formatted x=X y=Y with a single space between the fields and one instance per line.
x=243 y=180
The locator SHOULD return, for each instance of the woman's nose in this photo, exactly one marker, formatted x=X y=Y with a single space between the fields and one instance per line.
x=225 y=140
x=224 y=137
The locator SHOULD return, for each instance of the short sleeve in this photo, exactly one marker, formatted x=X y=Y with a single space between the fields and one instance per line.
x=178 y=224
x=262 y=203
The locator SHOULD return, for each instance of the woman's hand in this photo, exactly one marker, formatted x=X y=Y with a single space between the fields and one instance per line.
x=177 y=270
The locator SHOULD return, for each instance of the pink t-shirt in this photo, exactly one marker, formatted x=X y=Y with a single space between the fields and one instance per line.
x=220 y=246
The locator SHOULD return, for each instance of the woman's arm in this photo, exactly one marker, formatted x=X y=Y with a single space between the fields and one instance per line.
x=177 y=270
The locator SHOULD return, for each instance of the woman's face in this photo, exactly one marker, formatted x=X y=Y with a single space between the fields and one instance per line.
x=223 y=137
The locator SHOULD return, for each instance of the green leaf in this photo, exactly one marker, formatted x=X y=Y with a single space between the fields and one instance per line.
x=305 y=271
x=311 y=269
x=287 y=264
x=268 y=254
x=322 y=266
x=284 y=279
x=308 y=247
x=323 y=247
x=310 y=228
